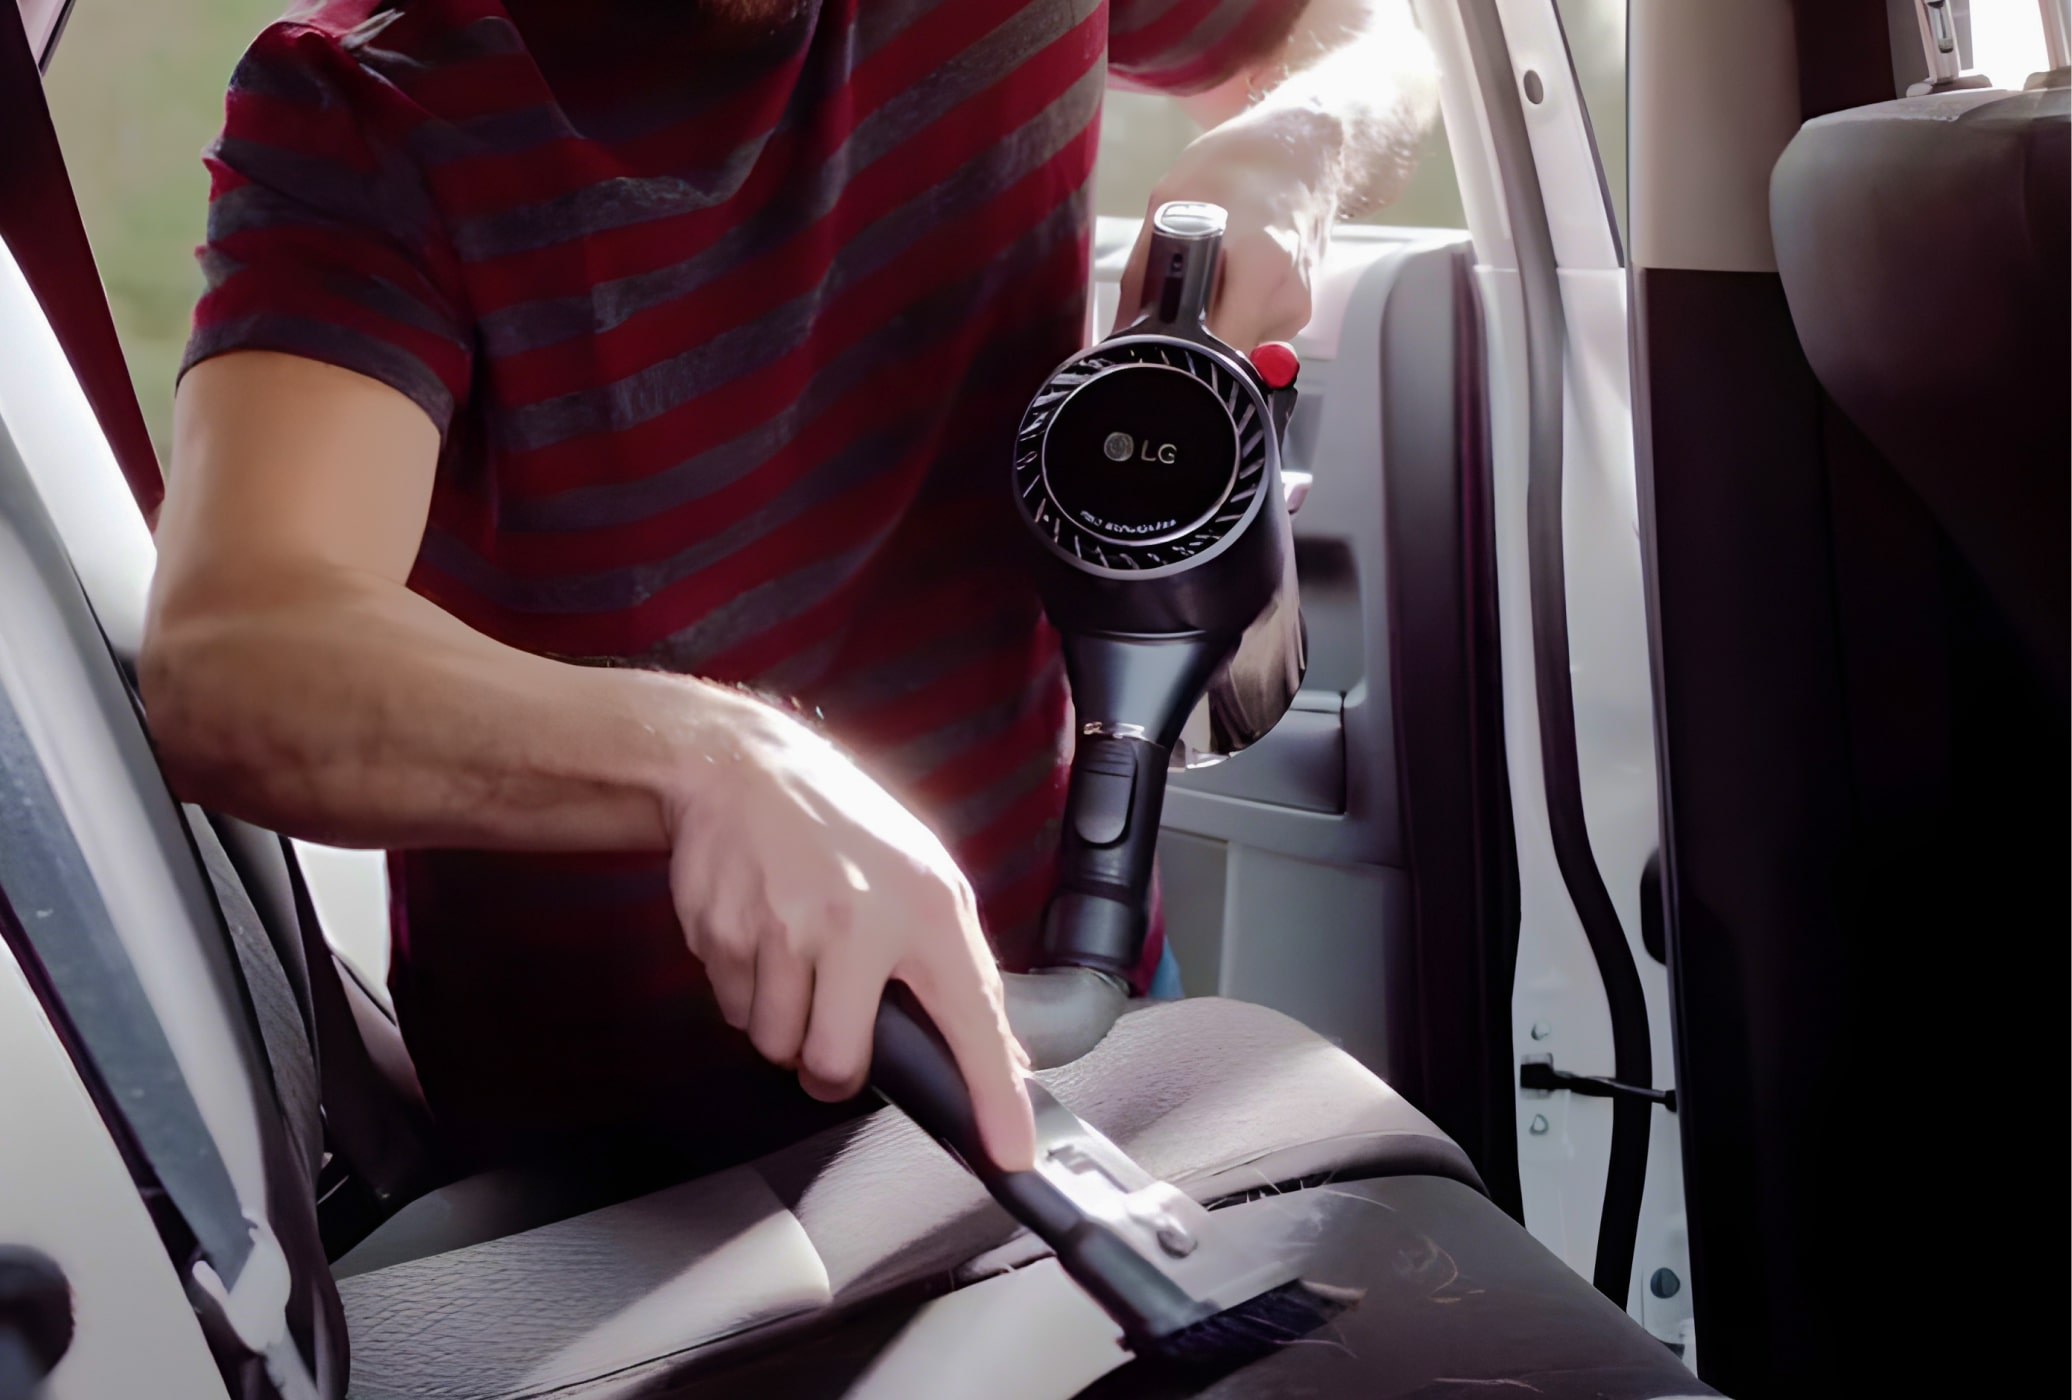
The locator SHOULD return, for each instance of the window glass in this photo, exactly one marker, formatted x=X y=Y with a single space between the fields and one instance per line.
x=1142 y=134
x=2003 y=40
x=135 y=92
x=1596 y=32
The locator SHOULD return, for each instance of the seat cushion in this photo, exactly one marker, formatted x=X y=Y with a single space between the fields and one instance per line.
x=1219 y=1097
x=1455 y=1300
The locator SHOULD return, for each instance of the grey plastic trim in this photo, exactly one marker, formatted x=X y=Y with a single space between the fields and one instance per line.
x=1340 y=543
x=68 y=1193
x=1300 y=764
x=75 y=475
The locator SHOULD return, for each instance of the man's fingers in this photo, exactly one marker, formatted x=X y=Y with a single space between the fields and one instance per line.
x=729 y=962
x=1262 y=298
x=712 y=905
x=783 y=1001
x=1132 y=285
x=974 y=1023
x=836 y=1051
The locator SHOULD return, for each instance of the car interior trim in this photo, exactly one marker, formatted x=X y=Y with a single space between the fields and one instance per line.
x=1545 y=341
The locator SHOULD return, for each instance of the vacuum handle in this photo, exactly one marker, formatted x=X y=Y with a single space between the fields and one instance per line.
x=1100 y=910
x=913 y=1069
x=1180 y=270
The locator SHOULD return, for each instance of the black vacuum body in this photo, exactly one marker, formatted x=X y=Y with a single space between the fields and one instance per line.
x=1148 y=470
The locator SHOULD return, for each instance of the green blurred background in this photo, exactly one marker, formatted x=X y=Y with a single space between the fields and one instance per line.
x=136 y=90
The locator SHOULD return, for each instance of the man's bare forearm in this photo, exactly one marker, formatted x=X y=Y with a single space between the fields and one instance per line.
x=343 y=708
x=292 y=678
x=1353 y=88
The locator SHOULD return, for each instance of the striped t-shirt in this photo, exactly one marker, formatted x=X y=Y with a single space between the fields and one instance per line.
x=726 y=332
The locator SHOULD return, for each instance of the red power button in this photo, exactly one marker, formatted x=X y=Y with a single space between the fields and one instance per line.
x=1276 y=363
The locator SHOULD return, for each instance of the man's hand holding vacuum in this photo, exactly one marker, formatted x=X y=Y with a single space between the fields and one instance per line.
x=803 y=887
x=1324 y=126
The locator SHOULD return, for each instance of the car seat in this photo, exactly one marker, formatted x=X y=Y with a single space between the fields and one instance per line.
x=1859 y=487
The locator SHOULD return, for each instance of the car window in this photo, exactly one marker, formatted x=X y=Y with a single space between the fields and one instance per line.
x=135 y=92
x=1596 y=33
x=1143 y=133
x=2002 y=39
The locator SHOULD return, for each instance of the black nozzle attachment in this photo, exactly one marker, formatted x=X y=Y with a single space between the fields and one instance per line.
x=1132 y=694
x=913 y=1069
x=1098 y=915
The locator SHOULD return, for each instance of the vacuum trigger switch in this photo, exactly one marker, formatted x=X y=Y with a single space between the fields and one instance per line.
x=1277 y=364
x=1104 y=780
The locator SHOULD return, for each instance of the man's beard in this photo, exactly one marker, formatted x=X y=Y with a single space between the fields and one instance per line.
x=751 y=15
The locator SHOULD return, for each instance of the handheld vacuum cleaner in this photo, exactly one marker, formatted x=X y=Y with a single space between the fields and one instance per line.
x=1148 y=470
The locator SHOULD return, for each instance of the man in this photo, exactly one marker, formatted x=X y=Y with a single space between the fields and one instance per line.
x=555 y=354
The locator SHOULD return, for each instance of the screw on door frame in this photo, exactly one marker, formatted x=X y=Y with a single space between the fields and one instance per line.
x=1539 y=1125
x=1541 y=1030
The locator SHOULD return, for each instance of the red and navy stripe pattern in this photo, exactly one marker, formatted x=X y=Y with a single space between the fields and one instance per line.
x=726 y=343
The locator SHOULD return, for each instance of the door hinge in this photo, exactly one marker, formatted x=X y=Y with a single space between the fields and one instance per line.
x=1541 y=1075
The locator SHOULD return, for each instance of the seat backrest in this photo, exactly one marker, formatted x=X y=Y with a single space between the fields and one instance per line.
x=1857 y=475
x=376 y=1130
x=1923 y=248
x=184 y=1016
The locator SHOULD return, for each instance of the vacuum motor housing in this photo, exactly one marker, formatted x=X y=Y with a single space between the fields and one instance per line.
x=1146 y=463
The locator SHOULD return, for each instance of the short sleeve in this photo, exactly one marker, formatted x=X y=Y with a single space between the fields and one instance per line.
x=322 y=240
x=1187 y=46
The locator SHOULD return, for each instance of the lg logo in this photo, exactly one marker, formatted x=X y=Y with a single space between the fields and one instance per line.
x=1120 y=447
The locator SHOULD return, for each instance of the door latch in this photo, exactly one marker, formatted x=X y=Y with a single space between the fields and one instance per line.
x=1541 y=1075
